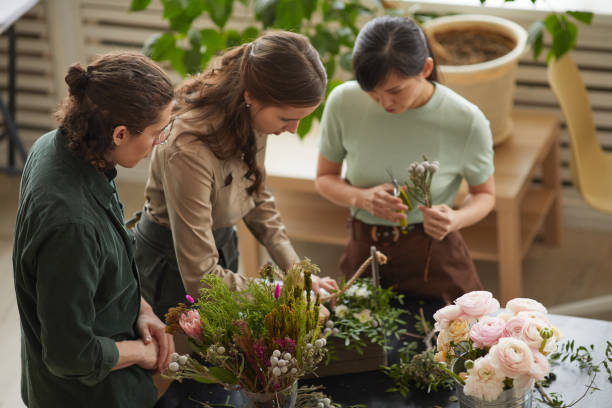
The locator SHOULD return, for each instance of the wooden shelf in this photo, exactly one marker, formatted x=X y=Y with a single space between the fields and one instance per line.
x=480 y=238
x=309 y=217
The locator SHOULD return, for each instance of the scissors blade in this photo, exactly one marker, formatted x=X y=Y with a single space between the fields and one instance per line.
x=396 y=186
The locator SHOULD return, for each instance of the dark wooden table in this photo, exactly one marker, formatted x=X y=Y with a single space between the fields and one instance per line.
x=369 y=388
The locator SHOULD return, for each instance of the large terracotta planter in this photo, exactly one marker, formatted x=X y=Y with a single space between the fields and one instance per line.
x=490 y=85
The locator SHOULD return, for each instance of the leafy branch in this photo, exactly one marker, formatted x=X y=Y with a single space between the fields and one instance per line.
x=330 y=25
x=562 y=30
x=581 y=355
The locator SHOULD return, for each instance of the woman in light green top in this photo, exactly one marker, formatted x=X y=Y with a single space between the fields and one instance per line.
x=395 y=113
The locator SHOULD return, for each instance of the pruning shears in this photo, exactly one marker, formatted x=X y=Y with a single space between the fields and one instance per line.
x=398 y=191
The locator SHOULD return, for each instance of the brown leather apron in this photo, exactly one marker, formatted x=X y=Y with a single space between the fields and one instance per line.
x=451 y=270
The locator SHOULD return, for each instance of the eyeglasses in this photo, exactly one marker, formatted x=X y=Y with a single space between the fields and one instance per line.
x=163 y=135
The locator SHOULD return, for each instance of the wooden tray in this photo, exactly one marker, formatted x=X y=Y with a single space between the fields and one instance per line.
x=346 y=361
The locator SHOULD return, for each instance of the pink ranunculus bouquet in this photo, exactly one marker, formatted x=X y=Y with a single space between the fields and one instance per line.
x=489 y=351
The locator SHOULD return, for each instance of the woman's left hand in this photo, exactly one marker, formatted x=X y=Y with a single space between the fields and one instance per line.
x=326 y=283
x=150 y=327
x=438 y=221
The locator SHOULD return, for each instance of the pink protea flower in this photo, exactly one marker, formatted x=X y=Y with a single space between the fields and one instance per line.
x=191 y=324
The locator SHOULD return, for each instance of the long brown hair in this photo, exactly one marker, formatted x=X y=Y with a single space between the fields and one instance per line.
x=277 y=69
x=115 y=89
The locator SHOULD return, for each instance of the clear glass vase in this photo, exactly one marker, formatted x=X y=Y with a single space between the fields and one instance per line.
x=285 y=398
x=510 y=398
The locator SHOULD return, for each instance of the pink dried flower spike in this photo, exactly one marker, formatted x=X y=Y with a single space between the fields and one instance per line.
x=189 y=299
x=277 y=291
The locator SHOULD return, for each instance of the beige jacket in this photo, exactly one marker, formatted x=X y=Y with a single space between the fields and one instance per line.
x=187 y=192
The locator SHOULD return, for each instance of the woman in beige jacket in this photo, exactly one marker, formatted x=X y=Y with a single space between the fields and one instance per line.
x=209 y=174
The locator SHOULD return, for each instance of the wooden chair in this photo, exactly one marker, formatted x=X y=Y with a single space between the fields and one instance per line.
x=591 y=167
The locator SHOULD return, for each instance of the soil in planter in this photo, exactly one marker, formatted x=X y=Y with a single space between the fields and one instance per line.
x=466 y=47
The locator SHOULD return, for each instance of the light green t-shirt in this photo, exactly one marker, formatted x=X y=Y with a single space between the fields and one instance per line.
x=447 y=128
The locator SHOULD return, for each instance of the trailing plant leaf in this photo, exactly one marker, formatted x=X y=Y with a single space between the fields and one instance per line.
x=535 y=36
x=582 y=16
x=139 y=5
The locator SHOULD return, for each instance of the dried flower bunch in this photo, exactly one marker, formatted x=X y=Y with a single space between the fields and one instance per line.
x=498 y=352
x=261 y=339
x=420 y=176
x=419 y=187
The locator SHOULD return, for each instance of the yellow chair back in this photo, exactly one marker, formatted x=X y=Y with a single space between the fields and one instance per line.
x=591 y=167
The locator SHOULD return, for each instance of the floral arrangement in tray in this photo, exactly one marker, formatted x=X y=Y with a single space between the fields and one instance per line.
x=260 y=340
x=364 y=312
x=489 y=354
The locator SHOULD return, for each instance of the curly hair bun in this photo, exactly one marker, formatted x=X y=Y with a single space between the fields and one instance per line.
x=77 y=79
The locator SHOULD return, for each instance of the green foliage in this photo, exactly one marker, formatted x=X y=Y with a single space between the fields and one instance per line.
x=417 y=370
x=384 y=320
x=582 y=356
x=138 y=5
x=219 y=308
x=255 y=304
x=189 y=49
x=562 y=31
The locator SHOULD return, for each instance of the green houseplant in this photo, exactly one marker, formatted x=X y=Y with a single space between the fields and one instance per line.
x=331 y=26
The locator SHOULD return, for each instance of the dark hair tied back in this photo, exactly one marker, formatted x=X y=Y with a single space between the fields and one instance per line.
x=77 y=79
x=390 y=44
x=121 y=88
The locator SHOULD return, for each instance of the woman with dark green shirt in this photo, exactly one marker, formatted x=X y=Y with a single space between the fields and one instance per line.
x=88 y=338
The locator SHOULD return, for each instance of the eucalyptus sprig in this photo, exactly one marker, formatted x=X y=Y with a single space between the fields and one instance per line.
x=581 y=355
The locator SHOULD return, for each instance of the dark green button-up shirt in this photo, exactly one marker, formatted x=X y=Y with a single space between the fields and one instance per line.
x=76 y=284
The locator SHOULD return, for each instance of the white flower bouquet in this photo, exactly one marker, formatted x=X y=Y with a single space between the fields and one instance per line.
x=365 y=314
